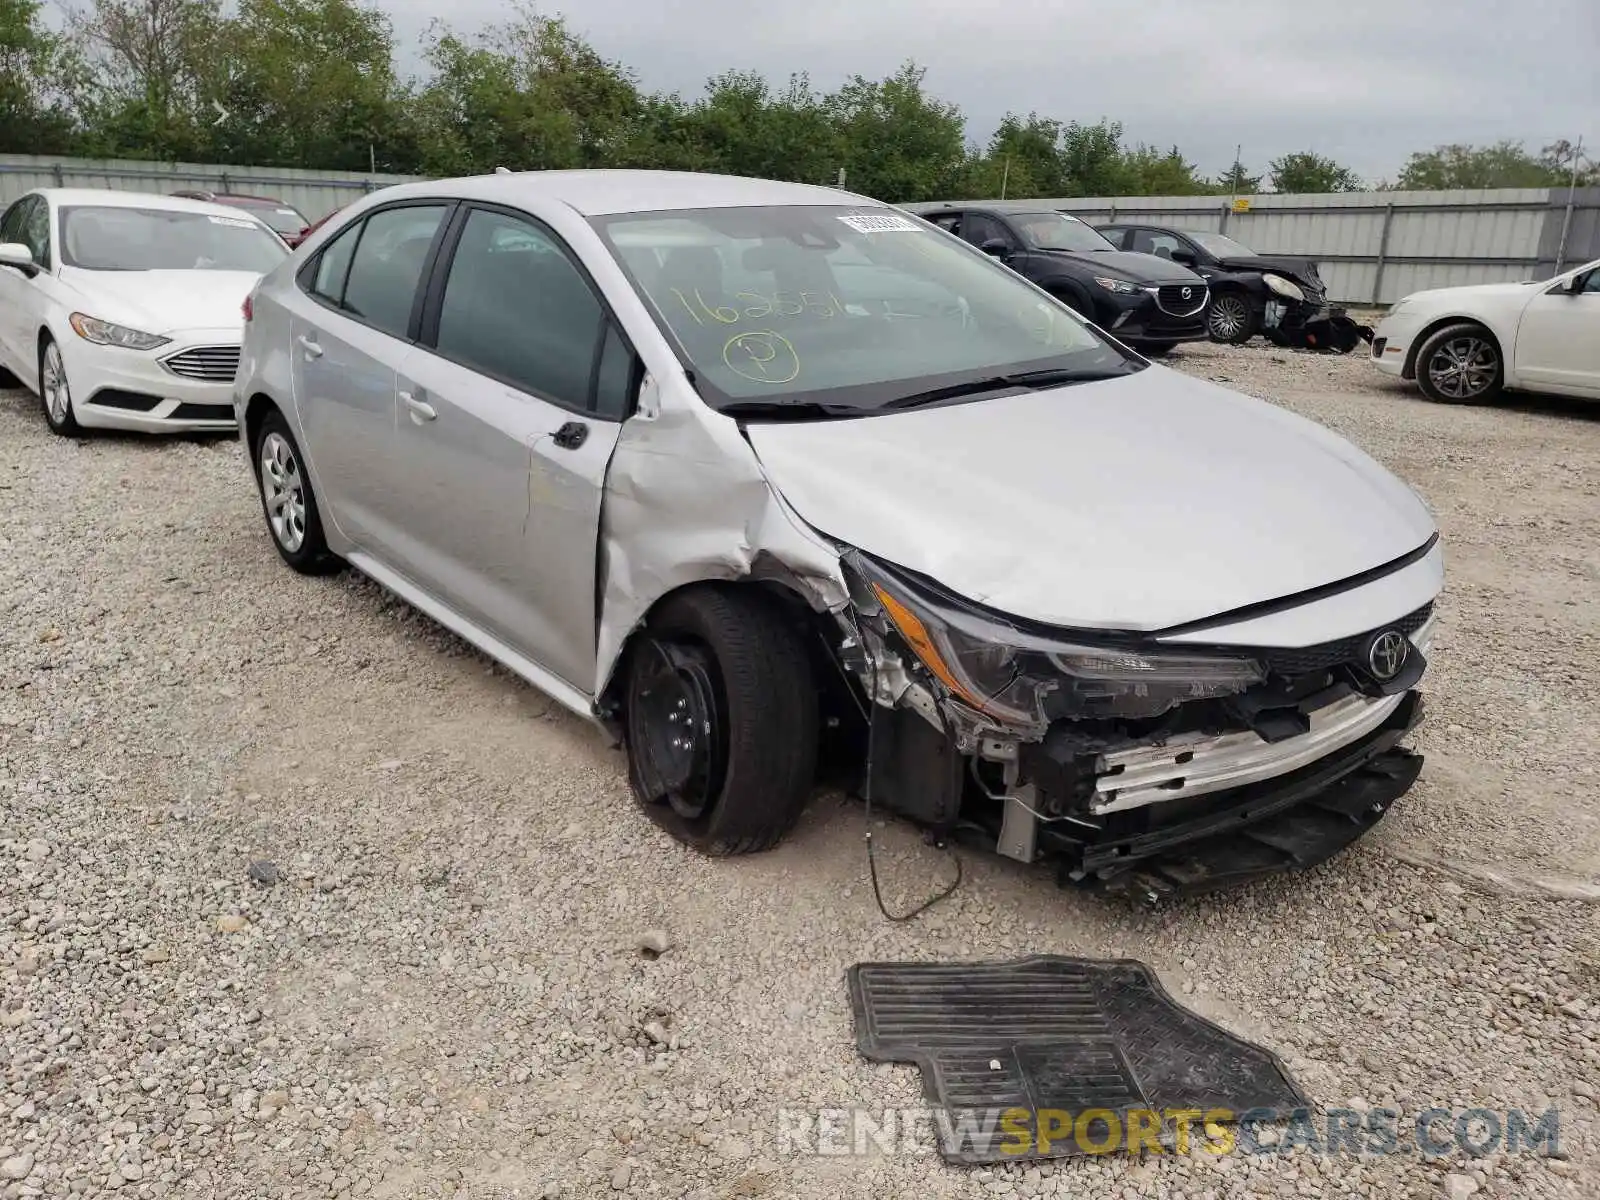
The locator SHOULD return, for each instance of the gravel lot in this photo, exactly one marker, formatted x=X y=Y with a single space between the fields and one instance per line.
x=443 y=992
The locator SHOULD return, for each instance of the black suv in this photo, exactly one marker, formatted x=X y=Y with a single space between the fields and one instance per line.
x=1146 y=302
x=1247 y=289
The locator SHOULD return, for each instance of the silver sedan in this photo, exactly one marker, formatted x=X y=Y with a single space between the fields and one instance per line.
x=752 y=472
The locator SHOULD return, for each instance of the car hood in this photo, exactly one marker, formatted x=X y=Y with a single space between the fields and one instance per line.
x=164 y=301
x=1304 y=269
x=1138 y=503
x=1138 y=268
x=1472 y=291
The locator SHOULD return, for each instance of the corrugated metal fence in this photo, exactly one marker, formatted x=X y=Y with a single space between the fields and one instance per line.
x=1374 y=247
x=314 y=193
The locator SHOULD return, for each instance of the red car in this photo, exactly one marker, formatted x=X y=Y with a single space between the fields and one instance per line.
x=284 y=219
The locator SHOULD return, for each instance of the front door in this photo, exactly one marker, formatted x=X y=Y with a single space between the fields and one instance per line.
x=502 y=441
x=17 y=294
x=1558 y=341
x=346 y=347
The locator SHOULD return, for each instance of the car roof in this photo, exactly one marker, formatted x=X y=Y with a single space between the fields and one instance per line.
x=109 y=198
x=995 y=206
x=596 y=193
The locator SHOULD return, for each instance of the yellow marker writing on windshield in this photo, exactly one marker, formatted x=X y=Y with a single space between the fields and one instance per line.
x=762 y=356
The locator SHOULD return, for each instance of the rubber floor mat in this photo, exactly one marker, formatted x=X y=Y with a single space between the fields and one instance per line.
x=1048 y=1057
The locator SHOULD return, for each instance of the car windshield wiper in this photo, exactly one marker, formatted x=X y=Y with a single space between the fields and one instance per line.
x=789 y=410
x=1049 y=377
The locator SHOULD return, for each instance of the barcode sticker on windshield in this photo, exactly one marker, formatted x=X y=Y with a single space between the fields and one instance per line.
x=234 y=222
x=880 y=223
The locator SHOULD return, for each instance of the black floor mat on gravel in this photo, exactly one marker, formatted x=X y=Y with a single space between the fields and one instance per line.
x=1024 y=1048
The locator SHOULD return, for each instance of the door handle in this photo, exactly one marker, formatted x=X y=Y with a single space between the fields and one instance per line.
x=420 y=410
x=571 y=435
x=310 y=347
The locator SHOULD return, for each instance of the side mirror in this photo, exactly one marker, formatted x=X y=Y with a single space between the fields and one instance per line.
x=1577 y=283
x=998 y=247
x=15 y=254
x=1184 y=257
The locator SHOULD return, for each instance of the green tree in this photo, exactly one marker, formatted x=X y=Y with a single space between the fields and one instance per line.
x=897 y=142
x=1505 y=164
x=744 y=127
x=148 y=67
x=33 y=67
x=1236 y=181
x=307 y=82
x=1151 y=172
x=1309 y=173
x=528 y=94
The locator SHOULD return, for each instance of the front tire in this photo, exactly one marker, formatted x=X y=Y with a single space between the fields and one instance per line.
x=55 y=394
x=1460 y=364
x=287 y=501
x=721 y=719
x=1232 y=319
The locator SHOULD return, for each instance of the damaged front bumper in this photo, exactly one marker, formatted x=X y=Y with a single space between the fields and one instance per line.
x=1125 y=763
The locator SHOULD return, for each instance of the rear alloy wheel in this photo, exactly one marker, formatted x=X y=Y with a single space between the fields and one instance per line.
x=721 y=720
x=55 y=394
x=1460 y=364
x=287 y=500
x=1231 y=318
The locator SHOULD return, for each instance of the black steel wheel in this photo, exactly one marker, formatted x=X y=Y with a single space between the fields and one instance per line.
x=721 y=719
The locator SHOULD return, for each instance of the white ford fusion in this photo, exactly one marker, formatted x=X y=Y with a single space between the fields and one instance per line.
x=123 y=310
x=1463 y=345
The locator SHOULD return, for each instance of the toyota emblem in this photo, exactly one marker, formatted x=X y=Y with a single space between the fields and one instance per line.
x=1387 y=655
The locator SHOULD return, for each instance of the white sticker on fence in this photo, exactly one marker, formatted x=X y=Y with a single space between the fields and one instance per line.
x=880 y=223
x=233 y=222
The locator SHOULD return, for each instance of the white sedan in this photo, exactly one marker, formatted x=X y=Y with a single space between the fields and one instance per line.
x=1463 y=345
x=125 y=311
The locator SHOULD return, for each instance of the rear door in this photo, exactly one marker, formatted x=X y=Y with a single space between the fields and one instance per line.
x=365 y=289
x=509 y=409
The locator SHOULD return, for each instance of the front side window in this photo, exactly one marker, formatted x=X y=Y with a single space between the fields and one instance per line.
x=11 y=222
x=388 y=263
x=515 y=307
x=1057 y=231
x=36 y=232
x=852 y=308
x=978 y=229
x=106 y=238
x=1591 y=281
x=1151 y=241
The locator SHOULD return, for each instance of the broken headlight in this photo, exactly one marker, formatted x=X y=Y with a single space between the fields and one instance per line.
x=1025 y=679
x=1283 y=287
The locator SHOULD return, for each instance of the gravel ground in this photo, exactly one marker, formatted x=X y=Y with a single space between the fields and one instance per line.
x=437 y=987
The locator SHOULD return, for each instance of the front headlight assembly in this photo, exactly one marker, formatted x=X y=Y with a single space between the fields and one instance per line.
x=1121 y=287
x=1286 y=288
x=104 y=333
x=1024 y=680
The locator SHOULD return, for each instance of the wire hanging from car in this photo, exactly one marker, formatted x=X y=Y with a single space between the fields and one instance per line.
x=872 y=859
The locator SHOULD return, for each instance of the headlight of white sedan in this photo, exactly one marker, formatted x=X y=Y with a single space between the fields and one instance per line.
x=104 y=333
x=1284 y=287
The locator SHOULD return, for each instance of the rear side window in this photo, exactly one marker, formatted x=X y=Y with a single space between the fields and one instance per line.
x=334 y=264
x=515 y=307
x=387 y=266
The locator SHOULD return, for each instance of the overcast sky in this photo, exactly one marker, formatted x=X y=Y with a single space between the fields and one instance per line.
x=1366 y=81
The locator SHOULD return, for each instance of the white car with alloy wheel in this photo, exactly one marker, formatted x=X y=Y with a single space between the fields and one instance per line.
x=1464 y=345
x=125 y=311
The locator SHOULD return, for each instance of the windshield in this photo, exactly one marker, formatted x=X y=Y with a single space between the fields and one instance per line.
x=1221 y=247
x=279 y=216
x=1057 y=231
x=163 y=239
x=851 y=308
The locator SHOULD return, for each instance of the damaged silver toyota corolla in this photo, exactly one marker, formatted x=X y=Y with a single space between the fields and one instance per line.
x=780 y=484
